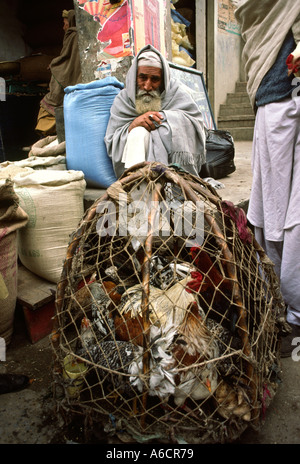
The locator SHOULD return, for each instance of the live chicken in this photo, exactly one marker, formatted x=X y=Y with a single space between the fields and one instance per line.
x=165 y=306
x=232 y=403
x=164 y=274
x=97 y=301
x=181 y=348
x=229 y=346
x=194 y=347
x=160 y=380
x=120 y=363
x=111 y=358
x=216 y=289
x=100 y=306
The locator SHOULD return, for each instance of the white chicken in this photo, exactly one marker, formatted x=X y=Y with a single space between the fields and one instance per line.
x=181 y=363
x=165 y=306
x=162 y=369
x=194 y=350
x=123 y=358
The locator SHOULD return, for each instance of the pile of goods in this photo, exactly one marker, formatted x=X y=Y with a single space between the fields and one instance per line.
x=52 y=197
x=168 y=314
x=183 y=36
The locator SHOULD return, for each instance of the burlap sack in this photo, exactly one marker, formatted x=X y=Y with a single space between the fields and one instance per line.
x=12 y=219
x=53 y=201
x=8 y=170
x=48 y=146
x=36 y=162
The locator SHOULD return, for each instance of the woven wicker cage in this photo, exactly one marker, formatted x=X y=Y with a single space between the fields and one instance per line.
x=168 y=314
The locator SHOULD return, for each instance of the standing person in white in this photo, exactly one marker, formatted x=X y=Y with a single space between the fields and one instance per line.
x=271 y=31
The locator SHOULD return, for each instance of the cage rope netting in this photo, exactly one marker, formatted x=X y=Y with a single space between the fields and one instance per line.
x=168 y=314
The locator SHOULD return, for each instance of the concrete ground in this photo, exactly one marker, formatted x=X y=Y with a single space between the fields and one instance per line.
x=28 y=416
x=238 y=184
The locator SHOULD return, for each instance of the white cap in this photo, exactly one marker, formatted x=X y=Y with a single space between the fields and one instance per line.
x=149 y=58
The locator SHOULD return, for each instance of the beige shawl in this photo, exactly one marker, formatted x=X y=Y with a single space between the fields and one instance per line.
x=264 y=26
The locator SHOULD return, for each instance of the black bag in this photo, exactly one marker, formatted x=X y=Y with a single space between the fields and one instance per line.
x=219 y=154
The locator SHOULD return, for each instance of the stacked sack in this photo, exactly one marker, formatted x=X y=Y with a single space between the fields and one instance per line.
x=53 y=199
x=38 y=162
x=39 y=210
x=12 y=219
x=50 y=190
x=54 y=202
x=47 y=153
x=182 y=47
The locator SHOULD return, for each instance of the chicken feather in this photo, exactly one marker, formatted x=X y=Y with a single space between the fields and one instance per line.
x=165 y=305
x=125 y=361
x=194 y=347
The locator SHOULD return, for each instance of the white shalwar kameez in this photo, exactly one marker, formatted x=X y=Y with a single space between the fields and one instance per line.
x=274 y=207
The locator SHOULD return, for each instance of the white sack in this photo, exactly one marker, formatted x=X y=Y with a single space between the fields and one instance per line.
x=53 y=201
x=48 y=146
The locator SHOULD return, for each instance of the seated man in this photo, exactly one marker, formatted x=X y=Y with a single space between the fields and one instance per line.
x=154 y=119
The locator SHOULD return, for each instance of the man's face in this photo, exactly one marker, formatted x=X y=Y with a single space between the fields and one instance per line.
x=149 y=78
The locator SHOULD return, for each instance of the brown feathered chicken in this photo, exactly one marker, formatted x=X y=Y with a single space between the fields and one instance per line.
x=216 y=289
x=83 y=295
x=165 y=307
x=232 y=403
x=182 y=358
x=112 y=291
x=97 y=301
x=192 y=350
x=211 y=275
x=128 y=328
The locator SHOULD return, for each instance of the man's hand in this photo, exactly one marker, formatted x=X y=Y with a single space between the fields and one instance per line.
x=293 y=62
x=147 y=120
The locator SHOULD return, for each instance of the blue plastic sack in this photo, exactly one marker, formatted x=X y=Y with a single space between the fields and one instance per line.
x=86 y=114
x=178 y=18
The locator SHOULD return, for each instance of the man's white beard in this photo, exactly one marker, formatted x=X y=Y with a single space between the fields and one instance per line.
x=145 y=101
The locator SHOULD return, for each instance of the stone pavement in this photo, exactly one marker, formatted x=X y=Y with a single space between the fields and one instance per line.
x=238 y=184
